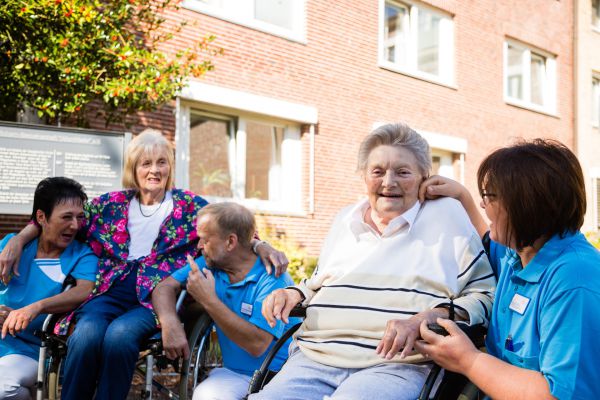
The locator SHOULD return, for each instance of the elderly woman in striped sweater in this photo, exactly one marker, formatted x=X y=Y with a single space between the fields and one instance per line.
x=388 y=263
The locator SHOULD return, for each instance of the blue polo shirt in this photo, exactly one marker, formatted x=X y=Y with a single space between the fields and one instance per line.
x=40 y=279
x=245 y=299
x=550 y=311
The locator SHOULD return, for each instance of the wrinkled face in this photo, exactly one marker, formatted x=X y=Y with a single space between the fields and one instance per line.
x=152 y=171
x=498 y=217
x=211 y=243
x=392 y=178
x=61 y=227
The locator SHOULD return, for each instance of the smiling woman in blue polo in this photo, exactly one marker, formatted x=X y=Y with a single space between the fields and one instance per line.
x=543 y=337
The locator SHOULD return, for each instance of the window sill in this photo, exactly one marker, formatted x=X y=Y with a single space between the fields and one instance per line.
x=530 y=107
x=416 y=74
x=274 y=30
x=264 y=207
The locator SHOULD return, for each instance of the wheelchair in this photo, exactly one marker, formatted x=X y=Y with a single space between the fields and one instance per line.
x=444 y=385
x=173 y=379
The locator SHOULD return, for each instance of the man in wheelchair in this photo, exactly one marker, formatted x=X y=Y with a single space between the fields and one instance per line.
x=34 y=287
x=229 y=282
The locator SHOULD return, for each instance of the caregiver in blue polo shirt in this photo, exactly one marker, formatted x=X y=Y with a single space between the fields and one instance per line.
x=35 y=287
x=543 y=340
x=230 y=283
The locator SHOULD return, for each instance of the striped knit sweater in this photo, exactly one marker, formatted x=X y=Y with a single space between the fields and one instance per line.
x=426 y=256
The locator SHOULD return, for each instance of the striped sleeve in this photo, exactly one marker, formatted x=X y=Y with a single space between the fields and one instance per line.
x=476 y=283
x=309 y=287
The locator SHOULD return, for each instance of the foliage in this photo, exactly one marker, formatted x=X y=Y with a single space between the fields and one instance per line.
x=301 y=265
x=594 y=239
x=58 y=56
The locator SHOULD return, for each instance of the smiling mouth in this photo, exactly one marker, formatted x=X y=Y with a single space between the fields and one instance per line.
x=390 y=195
x=68 y=236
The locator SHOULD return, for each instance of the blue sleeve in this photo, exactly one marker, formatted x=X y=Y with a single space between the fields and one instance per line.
x=569 y=331
x=5 y=240
x=496 y=253
x=182 y=273
x=268 y=283
x=87 y=266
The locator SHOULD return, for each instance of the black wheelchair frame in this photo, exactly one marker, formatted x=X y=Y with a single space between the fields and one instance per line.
x=198 y=330
x=452 y=386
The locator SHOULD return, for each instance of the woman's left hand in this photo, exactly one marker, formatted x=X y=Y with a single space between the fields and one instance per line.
x=272 y=258
x=454 y=352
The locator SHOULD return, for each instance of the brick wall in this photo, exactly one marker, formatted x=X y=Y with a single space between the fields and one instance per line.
x=12 y=223
x=337 y=72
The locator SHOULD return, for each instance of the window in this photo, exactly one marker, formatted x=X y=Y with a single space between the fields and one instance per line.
x=442 y=163
x=417 y=40
x=596 y=14
x=279 y=17
x=529 y=78
x=596 y=197
x=254 y=161
x=596 y=101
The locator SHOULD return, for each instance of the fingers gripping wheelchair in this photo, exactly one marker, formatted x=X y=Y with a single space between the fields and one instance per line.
x=177 y=382
x=444 y=385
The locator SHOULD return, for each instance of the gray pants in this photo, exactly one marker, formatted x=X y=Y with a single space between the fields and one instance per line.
x=304 y=379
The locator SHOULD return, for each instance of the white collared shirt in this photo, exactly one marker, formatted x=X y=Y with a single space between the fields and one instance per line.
x=356 y=220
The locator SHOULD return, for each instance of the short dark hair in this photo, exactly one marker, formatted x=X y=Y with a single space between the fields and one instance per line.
x=540 y=184
x=53 y=191
x=234 y=218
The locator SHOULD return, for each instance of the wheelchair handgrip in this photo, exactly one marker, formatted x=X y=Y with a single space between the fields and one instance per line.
x=298 y=311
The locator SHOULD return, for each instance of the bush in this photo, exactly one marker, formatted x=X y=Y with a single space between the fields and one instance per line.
x=58 y=56
x=594 y=239
x=301 y=265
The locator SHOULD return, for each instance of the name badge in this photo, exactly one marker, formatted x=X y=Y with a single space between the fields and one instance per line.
x=246 y=309
x=519 y=303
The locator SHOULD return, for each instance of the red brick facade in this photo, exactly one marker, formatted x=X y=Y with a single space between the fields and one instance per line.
x=336 y=71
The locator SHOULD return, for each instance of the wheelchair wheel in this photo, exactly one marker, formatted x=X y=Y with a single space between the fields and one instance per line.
x=53 y=374
x=205 y=355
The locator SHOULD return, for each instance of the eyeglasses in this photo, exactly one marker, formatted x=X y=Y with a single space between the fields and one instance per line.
x=487 y=197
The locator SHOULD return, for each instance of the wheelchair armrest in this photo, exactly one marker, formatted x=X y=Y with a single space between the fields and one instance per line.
x=52 y=319
x=69 y=282
x=298 y=311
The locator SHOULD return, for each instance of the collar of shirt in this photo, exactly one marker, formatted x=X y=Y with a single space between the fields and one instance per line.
x=549 y=252
x=252 y=276
x=357 y=224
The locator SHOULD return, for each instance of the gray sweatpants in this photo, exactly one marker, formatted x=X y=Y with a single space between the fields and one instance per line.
x=304 y=379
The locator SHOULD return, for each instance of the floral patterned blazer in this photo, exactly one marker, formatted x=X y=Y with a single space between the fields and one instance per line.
x=105 y=229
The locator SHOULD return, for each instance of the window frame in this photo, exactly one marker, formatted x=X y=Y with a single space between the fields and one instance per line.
x=549 y=82
x=297 y=33
x=596 y=26
x=446 y=48
x=595 y=100
x=290 y=183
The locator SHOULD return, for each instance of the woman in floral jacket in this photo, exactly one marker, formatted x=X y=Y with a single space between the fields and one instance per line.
x=141 y=235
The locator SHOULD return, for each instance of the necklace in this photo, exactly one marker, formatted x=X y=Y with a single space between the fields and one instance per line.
x=153 y=212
